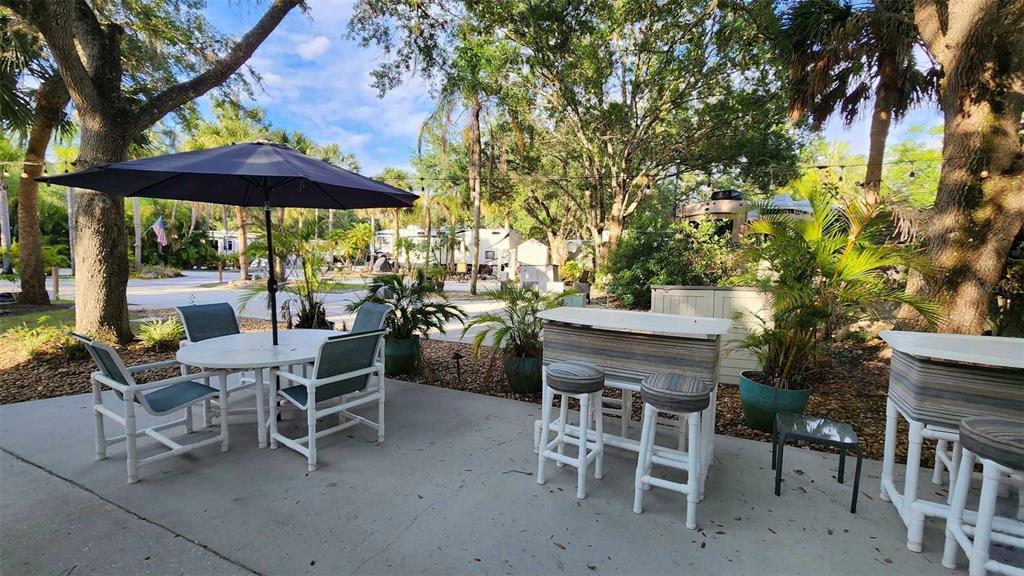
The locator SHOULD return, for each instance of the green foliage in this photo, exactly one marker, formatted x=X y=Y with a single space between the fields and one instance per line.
x=44 y=339
x=516 y=329
x=188 y=246
x=353 y=243
x=156 y=272
x=53 y=255
x=418 y=305
x=683 y=255
x=312 y=283
x=1006 y=311
x=839 y=49
x=823 y=272
x=162 y=334
x=571 y=271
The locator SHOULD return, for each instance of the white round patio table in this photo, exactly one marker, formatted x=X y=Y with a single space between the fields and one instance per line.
x=255 y=351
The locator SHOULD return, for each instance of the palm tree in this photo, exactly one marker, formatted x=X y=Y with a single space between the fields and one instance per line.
x=37 y=114
x=841 y=56
x=824 y=272
x=400 y=178
x=231 y=124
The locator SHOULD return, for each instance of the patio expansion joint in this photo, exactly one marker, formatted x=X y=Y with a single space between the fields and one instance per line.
x=130 y=512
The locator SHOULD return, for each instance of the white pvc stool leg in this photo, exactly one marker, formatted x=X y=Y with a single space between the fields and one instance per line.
x=983 y=528
x=695 y=469
x=545 y=419
x=581 y=461
x=646 y=440
x=599 y=428
x=954 y=522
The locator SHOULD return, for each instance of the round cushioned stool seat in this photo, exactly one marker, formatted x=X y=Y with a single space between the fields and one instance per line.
x=994 y=438
x=674 y=392
x=575 y=377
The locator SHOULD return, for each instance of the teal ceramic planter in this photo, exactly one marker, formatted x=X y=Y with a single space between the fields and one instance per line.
x=524 y=374
x=761 y=403
x=400 y=356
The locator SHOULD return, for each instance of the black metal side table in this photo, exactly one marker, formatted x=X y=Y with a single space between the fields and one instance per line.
x=815 y=430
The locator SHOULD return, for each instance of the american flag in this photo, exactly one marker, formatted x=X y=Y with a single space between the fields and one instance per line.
x=158 y=229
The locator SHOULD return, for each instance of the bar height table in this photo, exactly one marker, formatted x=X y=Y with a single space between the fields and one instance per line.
x=631 y=346
x=935 y=381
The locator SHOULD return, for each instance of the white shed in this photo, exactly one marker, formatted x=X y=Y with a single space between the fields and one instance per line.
x=533 y=253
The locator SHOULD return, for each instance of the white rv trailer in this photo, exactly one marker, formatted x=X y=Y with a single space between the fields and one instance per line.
x=497 y=245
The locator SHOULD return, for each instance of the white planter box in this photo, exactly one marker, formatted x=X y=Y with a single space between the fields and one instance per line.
x=717 y=302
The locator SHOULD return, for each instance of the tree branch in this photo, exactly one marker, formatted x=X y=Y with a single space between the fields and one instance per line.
x=174 y=96
x=929 y=25
x=55 y=21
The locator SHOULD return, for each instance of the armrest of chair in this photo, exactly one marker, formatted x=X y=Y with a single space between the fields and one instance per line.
x=152 y=366
x=286 y=375
x=178 y=379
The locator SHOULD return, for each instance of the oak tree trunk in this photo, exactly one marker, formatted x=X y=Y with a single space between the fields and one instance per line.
x=101 y=305
x=979 y=206
x=51 y=99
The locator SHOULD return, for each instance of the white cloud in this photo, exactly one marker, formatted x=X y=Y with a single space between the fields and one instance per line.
x=313 y=48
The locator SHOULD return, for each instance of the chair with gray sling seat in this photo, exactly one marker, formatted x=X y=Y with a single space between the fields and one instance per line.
x=206 y=321
x=349 y=368
x=370 y=317
x=160 y=398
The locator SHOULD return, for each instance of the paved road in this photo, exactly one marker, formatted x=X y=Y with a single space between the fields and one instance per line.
x=199 y=287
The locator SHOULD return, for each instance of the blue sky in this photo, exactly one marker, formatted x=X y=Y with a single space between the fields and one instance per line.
x=317 y=81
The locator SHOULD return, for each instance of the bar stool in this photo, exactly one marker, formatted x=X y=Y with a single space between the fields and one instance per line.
x=583 y=381
x=687 y=396
x=999 y=444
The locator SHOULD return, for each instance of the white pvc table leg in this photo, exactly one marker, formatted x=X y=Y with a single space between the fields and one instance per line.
x=261 y=418
x=914 y=516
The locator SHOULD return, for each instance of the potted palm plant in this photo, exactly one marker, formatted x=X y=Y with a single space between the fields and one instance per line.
x=516 y=331
x=418 y=307
x=822 y=272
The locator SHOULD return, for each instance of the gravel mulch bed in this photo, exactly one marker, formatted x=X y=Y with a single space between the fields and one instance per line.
x=852 y=388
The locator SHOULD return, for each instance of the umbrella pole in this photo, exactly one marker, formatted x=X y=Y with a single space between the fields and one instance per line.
x=271 y=280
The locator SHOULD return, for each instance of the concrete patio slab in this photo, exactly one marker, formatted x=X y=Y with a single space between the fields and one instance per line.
x=450 y=491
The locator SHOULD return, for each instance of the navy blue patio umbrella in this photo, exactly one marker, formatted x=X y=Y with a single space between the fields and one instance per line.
x=252 y=174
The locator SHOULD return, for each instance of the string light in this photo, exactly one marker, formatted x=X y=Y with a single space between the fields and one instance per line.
x=911 y=174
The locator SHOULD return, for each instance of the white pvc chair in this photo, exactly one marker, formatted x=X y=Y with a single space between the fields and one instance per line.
x=349 y=368
x=206 y=321
x=160 y=398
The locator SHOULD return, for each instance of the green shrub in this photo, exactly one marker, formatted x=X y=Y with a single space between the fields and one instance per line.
x=684 y=255
x=571 y=272
x=162 y=334
x=156 y=273
x=44 y=339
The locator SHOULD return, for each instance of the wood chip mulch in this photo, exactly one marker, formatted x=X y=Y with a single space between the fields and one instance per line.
x=851 y=387
x=64 y=374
